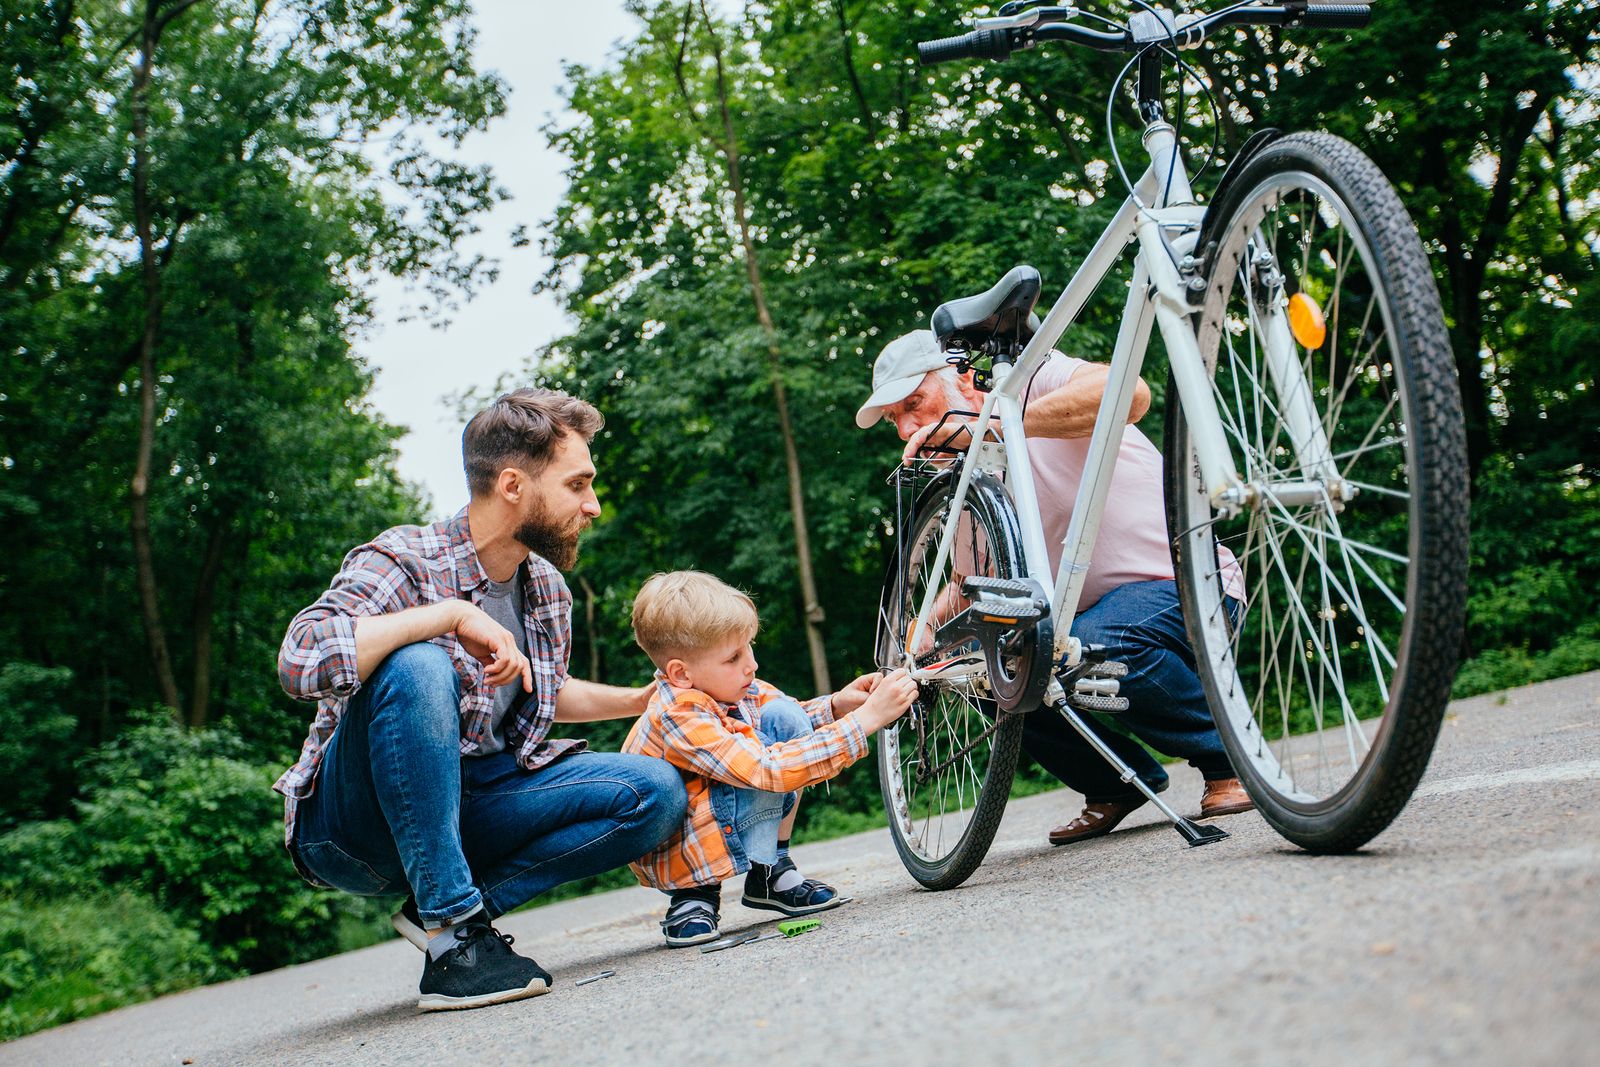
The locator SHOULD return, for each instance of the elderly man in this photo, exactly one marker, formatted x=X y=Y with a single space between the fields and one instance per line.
x=438 y=656
x=1130 y=600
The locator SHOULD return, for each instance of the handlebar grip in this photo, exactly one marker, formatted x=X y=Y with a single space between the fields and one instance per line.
x=1337 y=16
x=979 y=44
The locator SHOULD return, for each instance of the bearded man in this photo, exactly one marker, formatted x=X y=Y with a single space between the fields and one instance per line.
x=438 y=657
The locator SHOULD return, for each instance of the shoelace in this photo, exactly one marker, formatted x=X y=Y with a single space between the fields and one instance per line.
x=465 y=933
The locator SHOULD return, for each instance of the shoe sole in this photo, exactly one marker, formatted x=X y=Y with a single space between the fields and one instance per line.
x=1232 y=809
x=1101 y=830
x=440 y=1002
x=410 y=931
x=773 y=905
x=697 y=939
x=1087 y=835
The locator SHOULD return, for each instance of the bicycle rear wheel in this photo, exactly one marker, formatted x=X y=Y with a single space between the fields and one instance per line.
x=946 y=767
x=1329 y=690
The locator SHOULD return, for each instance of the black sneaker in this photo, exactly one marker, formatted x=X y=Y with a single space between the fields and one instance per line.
x=479 y=969
x=692 y=917
x=408 y=924
x=803 y=899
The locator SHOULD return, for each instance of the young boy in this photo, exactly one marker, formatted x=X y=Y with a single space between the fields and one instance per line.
x=745 y=751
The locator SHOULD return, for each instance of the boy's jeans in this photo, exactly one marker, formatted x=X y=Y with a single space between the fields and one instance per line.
x=757 y=814
x=1140 y=624
x=397 y=808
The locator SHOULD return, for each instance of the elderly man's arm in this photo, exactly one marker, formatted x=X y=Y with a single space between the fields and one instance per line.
x=1070 y=411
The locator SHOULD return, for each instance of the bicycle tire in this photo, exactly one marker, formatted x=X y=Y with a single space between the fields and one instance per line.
x=1307 y=180
x=922 y=850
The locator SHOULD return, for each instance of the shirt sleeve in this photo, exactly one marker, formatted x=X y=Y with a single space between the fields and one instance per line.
x=1056 y=372
x=318 y=656
x=698 y=738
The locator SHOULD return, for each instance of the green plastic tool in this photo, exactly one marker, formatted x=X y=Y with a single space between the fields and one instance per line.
x=796 y=927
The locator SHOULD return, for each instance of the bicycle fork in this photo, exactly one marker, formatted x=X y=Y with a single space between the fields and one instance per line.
x=1055 y=697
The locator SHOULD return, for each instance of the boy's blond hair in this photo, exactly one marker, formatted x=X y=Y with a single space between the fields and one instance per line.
x=682 y=612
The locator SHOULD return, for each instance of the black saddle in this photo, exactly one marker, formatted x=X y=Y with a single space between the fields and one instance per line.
x=1003 y=314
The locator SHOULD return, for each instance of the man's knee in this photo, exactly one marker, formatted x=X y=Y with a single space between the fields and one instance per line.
x=420 y=666
x=662 y=798
x=415 y=682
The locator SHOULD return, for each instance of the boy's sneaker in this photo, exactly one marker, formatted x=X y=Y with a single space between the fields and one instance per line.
x=692 y=918
x=808 y=896
x=480 y=969
x=408 y=924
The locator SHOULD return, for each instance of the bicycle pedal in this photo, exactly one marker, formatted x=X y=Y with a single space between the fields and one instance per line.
x=1108 y=705
x=1107 y=668
x=977 y=587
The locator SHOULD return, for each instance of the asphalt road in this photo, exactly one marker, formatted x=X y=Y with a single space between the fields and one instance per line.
x=1469 y=932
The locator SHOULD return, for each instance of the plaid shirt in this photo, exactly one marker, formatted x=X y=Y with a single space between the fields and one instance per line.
x=402 y=568
x=709 y=743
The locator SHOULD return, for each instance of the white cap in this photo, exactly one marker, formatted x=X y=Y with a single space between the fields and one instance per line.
x=898 y=372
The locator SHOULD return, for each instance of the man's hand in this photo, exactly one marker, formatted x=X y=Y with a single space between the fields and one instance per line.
x=493 y=646
x=851 y=696
x=888 y=701
x=956 y=432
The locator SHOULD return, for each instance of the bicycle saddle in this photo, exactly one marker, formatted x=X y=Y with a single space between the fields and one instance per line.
x=1004 y=313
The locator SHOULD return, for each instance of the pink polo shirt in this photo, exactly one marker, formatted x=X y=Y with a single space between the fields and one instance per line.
x=1132 y=543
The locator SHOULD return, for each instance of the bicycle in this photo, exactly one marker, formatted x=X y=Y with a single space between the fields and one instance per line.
x=1314 y=433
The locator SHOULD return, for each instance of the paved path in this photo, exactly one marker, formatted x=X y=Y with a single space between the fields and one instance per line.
x=1467 y=933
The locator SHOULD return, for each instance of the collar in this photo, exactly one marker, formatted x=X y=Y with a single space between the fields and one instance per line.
x=470 y=575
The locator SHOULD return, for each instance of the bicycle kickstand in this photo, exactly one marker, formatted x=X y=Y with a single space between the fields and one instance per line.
x=1193 y=833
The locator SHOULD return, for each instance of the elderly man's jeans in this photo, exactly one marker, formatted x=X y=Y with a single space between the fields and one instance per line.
x=1140 y=624
x=398 y=809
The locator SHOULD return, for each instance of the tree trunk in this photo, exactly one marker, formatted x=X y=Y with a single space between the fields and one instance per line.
x=589 y=631
x=813 y=613
x=204 y=599
x=139 y=490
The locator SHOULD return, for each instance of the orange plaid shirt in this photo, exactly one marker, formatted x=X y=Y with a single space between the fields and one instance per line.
x=708 y=744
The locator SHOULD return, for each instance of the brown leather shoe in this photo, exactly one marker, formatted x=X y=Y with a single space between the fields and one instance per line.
x=1224 y=796
x=1096 y=820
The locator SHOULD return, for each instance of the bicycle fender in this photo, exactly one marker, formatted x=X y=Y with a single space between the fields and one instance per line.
x=1210 y=220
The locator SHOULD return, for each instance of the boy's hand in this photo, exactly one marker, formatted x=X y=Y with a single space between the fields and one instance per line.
x=888 y=701
x=851 y=696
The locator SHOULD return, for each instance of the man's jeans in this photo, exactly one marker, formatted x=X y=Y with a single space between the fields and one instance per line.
x=1140 y=624
x=397 y=808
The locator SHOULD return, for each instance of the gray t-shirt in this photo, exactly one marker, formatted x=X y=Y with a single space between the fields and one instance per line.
x=505 y=601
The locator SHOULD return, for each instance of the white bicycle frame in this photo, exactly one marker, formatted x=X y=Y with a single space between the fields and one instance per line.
x=1162 y=216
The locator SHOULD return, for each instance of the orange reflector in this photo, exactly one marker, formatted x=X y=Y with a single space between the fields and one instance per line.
x=1306 y=321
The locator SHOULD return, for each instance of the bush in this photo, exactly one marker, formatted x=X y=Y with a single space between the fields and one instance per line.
x=1507 y=668
x=76 y=956
x=177 y=814
x=36 y=740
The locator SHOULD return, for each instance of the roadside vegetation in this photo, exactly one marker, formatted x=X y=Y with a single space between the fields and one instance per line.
x=197 y=195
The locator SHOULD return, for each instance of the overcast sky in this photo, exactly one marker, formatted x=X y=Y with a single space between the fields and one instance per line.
x=526 y=42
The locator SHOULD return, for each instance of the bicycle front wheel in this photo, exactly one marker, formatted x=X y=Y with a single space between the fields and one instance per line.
x=946 y=767
x=1333 y=375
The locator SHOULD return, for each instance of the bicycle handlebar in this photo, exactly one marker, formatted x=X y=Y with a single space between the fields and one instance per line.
x=979 y=44
x=1317 y=16
x=998 y=44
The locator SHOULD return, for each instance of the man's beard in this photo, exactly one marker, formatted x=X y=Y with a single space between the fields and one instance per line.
x=558 y=544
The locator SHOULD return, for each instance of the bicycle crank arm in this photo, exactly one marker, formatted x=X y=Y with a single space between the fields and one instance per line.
x=1191 y=832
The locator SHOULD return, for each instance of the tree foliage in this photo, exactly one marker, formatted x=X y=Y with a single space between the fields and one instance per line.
x=879 y=189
